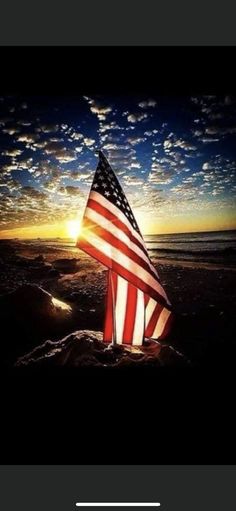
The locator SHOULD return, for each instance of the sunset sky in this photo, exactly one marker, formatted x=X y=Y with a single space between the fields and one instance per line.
x=175 y=158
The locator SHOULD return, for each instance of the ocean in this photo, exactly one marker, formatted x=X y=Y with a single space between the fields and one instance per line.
x=218 y=247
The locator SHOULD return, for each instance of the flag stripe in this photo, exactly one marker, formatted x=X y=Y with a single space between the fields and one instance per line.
x=139 y=319
x=121 y=299
x=114 y=259
x=161 y=323
x=153 y=321
x=116 y=255
x=150 y=307
x=101 y=221
x=116 y=243
x=92 y=204
x=117 y=214
x=131 y=303
x=167 y=327
x=108 y=324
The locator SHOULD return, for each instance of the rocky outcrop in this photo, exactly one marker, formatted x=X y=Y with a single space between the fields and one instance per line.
x=66 y=265
x=85 y=348
x=29 y=314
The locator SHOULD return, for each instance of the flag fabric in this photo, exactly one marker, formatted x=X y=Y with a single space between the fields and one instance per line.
x=132 y=315
x=137 y=305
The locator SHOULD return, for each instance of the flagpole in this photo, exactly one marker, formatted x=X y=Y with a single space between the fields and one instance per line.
x=114 y=340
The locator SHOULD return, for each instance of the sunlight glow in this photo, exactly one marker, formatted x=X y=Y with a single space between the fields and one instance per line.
x=73 y=228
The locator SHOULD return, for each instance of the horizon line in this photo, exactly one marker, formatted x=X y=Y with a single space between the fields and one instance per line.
x=144 y=234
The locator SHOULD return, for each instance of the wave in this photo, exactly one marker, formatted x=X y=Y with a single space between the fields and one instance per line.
x=225 y=251
x=174 y=240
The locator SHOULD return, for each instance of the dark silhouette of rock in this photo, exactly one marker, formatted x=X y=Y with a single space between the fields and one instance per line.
x=53 y=273
x=40 y=258
x=66 y=265
x=84 y=348
x=30 y=314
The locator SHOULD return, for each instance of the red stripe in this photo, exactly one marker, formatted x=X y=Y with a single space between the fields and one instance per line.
x=167 y=327
x=117 y=243
x=153 y=320
x=109 y=323
x=116 y=221
x=130 y=316
x=83 y=244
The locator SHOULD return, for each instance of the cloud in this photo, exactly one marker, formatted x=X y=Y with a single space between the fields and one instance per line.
x=99 y=109
x=11 y=130
x=116 y=147
x=28 y=138
x=89 y=142
x=150 y=103
x=69 y=190
x=32 y=192
x=110 y=126
x=172 y=141
x=77 y=136
x=136 y=140
x=159 y=175
x=12 y=152
x=133 y=180
x=48 y=128
x=138 y=117
x=59 y=151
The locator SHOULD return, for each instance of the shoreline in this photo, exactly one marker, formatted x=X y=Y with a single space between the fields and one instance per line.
x=193 y=264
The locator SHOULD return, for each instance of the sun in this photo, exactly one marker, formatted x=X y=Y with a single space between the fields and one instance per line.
x=73 y=229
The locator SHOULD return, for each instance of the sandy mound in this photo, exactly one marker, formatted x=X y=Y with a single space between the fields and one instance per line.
x=85 y=348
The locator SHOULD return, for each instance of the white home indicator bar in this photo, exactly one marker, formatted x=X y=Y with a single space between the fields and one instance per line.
x=118 y=504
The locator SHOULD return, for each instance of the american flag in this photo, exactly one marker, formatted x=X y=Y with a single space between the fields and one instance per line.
x=136 y=303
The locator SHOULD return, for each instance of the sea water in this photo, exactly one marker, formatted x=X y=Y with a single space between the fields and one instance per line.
x=210 y=247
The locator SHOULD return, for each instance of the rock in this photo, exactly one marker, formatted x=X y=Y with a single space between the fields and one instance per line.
x=30 y=299
x=66 y=265
x=30 y=314
x=86 y=348
x=40 y=258
x=53 y=273
x=40 y=270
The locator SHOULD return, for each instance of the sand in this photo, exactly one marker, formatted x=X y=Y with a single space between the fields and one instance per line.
x=203 y=297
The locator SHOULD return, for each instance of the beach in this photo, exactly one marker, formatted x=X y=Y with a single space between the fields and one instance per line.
x=49 y=290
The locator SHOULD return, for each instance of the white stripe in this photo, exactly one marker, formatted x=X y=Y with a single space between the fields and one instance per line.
x=161 y=323
x=117 y=212
x=120 y=258
x=91 y=214
x=138 y=333
x=120 y=308
x=149 y=310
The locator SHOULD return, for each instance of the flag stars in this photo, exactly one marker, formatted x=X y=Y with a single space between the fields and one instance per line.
x=107 y=193
x=118 y=203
